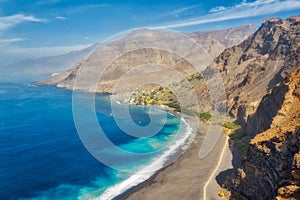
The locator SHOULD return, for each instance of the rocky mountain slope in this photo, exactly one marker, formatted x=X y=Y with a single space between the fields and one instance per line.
x=252 y=68
x=217 y=41
x=211 y=43
x=255 y=66
x=272 y=166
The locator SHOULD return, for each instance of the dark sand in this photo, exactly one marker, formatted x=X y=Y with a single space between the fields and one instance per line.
x=187 y=177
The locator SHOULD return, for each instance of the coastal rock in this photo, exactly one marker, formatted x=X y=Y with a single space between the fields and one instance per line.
x=269 y=107
x=251 y=69
x=271 y=168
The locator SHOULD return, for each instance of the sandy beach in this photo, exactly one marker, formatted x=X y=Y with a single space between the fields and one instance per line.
x=188 y=176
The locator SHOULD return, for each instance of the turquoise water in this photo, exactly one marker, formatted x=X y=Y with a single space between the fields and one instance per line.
x=42 y=156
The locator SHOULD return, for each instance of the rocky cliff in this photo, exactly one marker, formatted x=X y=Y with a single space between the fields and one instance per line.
x=271 y=168
x=252 y=68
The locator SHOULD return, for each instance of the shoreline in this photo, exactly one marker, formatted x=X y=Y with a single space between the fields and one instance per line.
x=137 y=191
x=179 y=179
x=207 y=183
x=168 y=157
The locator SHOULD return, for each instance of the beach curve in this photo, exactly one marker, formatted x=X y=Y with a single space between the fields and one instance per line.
x=157 y=163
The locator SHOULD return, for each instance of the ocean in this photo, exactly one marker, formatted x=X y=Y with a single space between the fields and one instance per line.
x=43 y=157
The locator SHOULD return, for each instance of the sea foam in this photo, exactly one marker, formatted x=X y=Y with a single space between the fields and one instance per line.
x=146 y=172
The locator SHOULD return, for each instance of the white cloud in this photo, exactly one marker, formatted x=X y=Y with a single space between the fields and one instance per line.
x=217 y=9
x=181 y=10
x=177 y=13
x=13 y=20
x=243 y=10
x=60 y=17
x=7 y=22
x=8 y=41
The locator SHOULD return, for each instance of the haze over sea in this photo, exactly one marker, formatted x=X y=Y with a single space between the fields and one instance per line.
x=41 y=155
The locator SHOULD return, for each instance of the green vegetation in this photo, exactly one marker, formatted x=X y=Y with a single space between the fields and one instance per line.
x=194 y=76
x=158 y=95
x=205 y=116
x=231 y=125
x=237 y=138
x=242 y=147
x=236 y=135
x=174 y=105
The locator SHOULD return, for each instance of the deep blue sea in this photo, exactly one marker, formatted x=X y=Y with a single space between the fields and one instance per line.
x=42 y=156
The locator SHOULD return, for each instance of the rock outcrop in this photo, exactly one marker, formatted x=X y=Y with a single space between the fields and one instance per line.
x=271 y=168
x=251 y=69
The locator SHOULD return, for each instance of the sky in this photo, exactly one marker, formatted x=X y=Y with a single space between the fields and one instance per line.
x=32 y=29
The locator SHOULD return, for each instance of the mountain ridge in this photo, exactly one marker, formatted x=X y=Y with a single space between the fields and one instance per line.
x=65 y=79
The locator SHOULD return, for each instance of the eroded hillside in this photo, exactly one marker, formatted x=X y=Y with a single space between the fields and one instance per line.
x=271 y=168
x=252 y=68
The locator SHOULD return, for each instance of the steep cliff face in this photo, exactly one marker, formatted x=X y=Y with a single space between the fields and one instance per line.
x=268 y=108
x=252 y=68
x=271 y=168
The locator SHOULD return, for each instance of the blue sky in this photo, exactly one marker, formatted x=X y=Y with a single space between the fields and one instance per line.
x=38 y=28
